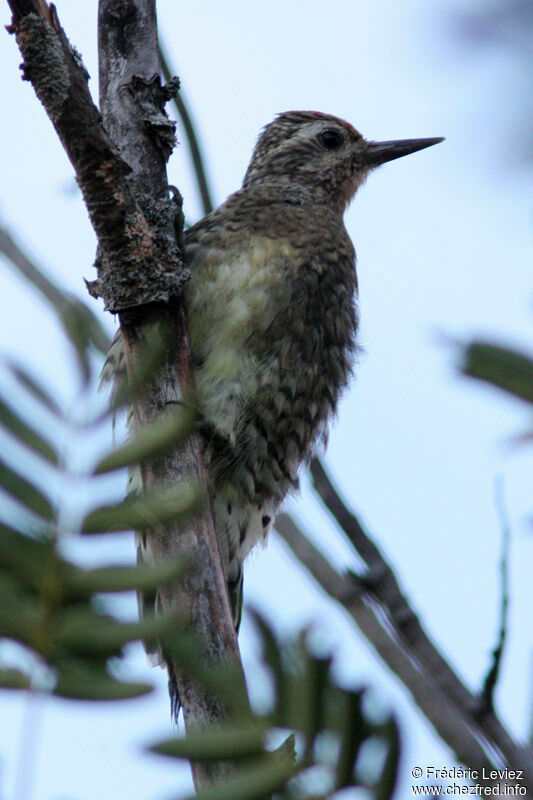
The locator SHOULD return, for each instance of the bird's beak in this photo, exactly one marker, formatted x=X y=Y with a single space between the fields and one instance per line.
x=379 y=152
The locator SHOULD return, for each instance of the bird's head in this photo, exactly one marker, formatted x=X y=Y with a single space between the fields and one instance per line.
x=323 y=153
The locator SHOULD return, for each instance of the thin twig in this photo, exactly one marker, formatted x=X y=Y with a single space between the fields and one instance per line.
x=491 y=678
x=448 y=721
x=381 y=581
x=384 y=586
x=190 y=132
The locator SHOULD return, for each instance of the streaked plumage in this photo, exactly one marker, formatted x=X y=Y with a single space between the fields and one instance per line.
x=273 y=320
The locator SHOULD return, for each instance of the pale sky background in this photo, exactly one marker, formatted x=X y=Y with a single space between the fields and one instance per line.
x=444 y=241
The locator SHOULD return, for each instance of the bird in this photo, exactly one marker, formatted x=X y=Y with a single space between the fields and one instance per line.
x=273 y=319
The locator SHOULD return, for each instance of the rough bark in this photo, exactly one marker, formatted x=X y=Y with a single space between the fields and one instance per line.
x=139 y=261
x=119 y=160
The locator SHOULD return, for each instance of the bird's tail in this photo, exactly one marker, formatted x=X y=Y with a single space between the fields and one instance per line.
x=235 y=591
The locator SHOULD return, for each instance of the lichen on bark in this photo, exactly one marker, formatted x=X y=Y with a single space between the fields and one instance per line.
x=44 y=63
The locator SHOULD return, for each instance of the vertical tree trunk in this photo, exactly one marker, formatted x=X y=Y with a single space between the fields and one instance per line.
x=130 y=94
x=120 y=168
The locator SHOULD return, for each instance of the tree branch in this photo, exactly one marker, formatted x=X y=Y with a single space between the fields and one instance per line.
x=381 y=581
x=448 y=722
x=491 y=678
x=121 y=172
x=380 y=585
x=146 y=261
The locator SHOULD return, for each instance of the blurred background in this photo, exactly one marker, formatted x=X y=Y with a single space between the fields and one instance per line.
x=444 y=241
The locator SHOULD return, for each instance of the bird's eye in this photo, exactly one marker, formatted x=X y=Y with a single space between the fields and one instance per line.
x=331 y=139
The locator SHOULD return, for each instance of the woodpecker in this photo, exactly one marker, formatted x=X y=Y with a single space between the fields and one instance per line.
x=273 y=319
